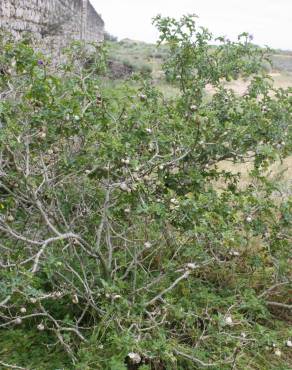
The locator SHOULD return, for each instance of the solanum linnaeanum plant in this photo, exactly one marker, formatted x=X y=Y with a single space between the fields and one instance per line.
x=116 y=240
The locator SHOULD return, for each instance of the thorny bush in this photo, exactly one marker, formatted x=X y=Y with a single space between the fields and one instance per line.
x=117 y=249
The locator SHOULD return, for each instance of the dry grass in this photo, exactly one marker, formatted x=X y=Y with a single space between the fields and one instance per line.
x=280 y=172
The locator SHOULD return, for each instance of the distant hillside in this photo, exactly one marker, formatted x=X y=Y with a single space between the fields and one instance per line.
x=282 y=61
x=139 y=55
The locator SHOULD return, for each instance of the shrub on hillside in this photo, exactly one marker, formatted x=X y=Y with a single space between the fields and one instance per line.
x=109 y=37
x=117 y=250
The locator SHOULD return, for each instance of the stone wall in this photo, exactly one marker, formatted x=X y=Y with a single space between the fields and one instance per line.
x=54 y=23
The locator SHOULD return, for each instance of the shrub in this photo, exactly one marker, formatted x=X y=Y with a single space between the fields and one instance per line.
x=114 y=239
x=145 y=70
x=110 y=37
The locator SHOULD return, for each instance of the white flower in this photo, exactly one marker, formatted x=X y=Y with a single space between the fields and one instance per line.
x=174 y=201
x=228 y=320
x=134 y=357
x=149 y=130
x=33 y=300
x=243 y=335
x=50 y=152
x=161 y=167
x=23 y=310
x=125 y=161
x=147 y=245
x=193 y=108
x=127 y=210
x=116 y=296
x=289 y=343
x=249 y=219
x=191 y=266
x=278 y=352
x=10 y=218
x=77 y=118
x=18 y=321
x=234 y=253
x=41 y=327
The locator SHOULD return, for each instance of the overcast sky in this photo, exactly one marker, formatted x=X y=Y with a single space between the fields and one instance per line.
x=270 y=21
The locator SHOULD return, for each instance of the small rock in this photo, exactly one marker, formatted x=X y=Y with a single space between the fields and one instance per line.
x=124 y=186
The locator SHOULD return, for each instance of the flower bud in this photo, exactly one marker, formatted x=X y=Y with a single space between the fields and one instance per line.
x=75 y=299
x=249 y=219
x=18 y=321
